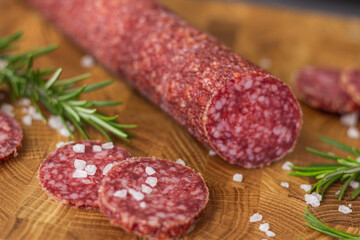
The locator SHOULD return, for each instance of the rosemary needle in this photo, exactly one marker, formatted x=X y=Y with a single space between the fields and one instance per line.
x=317 y=225
x=346 y=170
x=60 y=97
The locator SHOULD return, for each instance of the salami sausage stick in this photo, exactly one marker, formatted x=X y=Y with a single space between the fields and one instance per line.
x=247 y=116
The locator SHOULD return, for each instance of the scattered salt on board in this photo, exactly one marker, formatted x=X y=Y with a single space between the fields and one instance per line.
x=238 y=177
x=350 y=119
x=305 y=187
x=286 y=166
x=344 y=209
x=256 y=217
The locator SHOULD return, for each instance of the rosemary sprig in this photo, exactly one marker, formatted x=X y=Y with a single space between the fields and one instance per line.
x=347 y=169
x=60 y=97
x=317 y=225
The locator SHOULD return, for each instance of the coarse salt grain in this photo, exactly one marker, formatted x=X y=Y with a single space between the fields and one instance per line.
x=56 y=123
x=238 y=177
x=108 y=145
x=146 y=189
x=180 y=161
x=152 y=181
x=8 y=109
x=138 y=196
x=305 y=187
x=212 y=153
x=344 y=209
x=337 y=193
x=349 y=205
x=79 y=148
x=107 y=168
x=313 y=199
x=270 y=234
x=79 y=164
x=358 y=159
x=256 y=217
x=349 y=120
x=284 y=184
x=354 y=184
x=120 y=193
x=143 y=205
x=150 y=171
x=353 y=132
x=79 y=174
x=96 y=148
x=27 y=120
x=87 y=61
x=264 y=227
x=90 y=169
x=3 y=64
x=24 y=102
x=286 y=166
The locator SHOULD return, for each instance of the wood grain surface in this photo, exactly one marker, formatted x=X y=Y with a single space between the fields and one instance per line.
x=289 y=39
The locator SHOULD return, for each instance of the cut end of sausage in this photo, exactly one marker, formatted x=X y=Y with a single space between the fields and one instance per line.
x=253 y=120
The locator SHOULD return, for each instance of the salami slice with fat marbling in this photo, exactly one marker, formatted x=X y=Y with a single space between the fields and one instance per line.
x=321 y=88
x=72 y=174
x=11 y=137
x=155 y=198
x=243 y=113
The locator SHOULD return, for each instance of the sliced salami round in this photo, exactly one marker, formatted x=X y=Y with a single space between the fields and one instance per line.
x=11 y=137
x=321 y=88
x=155 y=198
x=72 y=174
x=351 y=83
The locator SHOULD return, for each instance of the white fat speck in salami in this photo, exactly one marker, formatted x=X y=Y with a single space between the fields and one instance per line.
x=120 y=193
x=79 y=173
x=11 y=137
x=138 y=196
x=145 y=189
x=74 y=177
x=167 y=212
x=107 y=168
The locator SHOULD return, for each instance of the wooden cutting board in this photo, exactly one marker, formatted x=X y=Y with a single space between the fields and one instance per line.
x=283 y=39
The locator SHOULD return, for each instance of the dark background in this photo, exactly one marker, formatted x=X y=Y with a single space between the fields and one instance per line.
x=344 y=7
